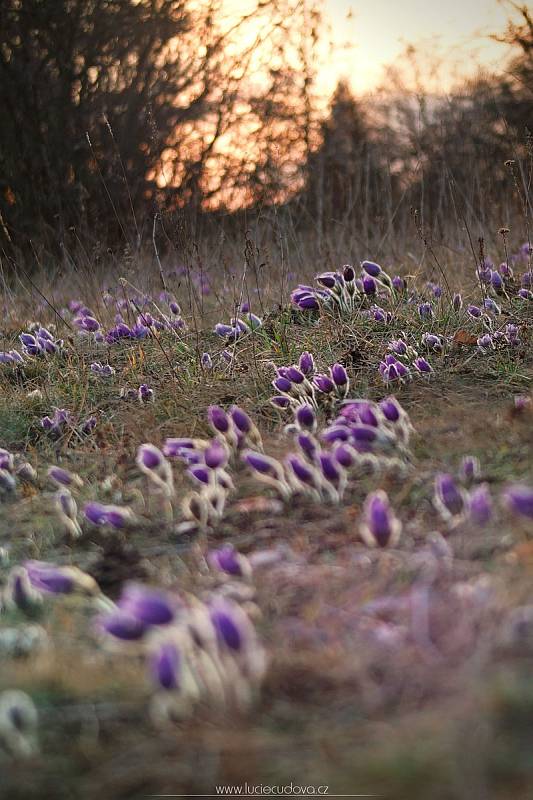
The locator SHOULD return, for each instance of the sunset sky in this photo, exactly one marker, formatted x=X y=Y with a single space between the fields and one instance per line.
x=379 y=30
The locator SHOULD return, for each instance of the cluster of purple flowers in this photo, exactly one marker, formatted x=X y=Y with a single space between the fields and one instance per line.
x=195 y=650
x=145 y=325
x=508 y=337
x=102 y=370
x=11 y=468
x=239 y=326
x=365 y=437
x=344 y=290
x=62 y=420
x=403 y=360
x=501 y=281
x=12 y=357
x=208 y=461
x=39 y=342
x=468 y=498
x=300 y=384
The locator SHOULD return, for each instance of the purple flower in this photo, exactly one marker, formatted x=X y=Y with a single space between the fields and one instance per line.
x=306 y=363
x=449 y=499
x=86 y=323
x=149 y=457
x=344 y=455
x=433 y=342
x=7 y=461
x=519 y=498
x=280 y=401
x=302 y=471
x=122 y=625
x=323 y=383
x=480 y=505
x=485 y=343
x=174 y=448
x=149 y=606
x=525 y=294
x=512 y=334
x=201 y=474
x=102 y=370
x=330 y=468
x=379 y=314
x=241 y=420
x=216 y=455
x=423 y=366
x=496 y=280
x=348 y=273
x=474 y=311
x=231 y=625
x=328 y=279
x=379 y=527
x=305 y=300
x=370 y=286
x=218 y=419
x=398 y=347
x=305 y=417
x=145 y=393
x=399 y=283
x=490 y=305
x=50 y=578
x=228 y=560
x=363 y=434
x=165 y=665
x=295 y=375
x=484 y=273
x=225 y=331
x=391 y=409
x=99 y=514
x=19 y=590
x=339 y=377
x=63 y=477
x=372 y=269
x=308 y=445
x=88 y=425
x=95 y=513
x=282 y=385
x=470 y=468
x=457 y=302
x=425 y=310
x=261 y=463
x=336 y=433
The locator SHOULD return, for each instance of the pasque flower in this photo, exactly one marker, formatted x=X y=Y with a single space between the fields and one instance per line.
x=519 y=499
x=470 y=468
x=165 y=664
x=155 y=466
x=305 y=418
x=379 y=526
x=227 y=559
x=117 y=517
x=122 y=625
x=339 y=376
x=52 y=579
x=148 y=606
x=62 y=477
x=449 y=499
x=422 y=366
x=480 y=505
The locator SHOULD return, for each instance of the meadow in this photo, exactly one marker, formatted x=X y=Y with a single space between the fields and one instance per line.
x=266 y=517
